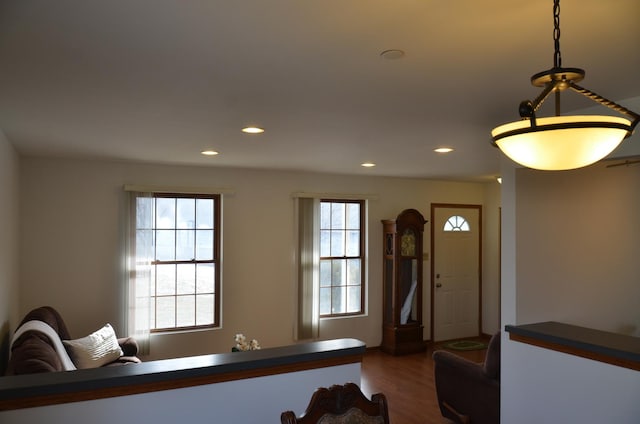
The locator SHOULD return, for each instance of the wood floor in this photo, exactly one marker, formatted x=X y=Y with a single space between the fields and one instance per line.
x=407 y=382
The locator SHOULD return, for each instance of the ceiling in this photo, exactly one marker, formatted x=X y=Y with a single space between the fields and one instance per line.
x=161 y=80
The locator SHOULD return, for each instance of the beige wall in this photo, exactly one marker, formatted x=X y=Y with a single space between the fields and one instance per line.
x=570 y=254
x=8 y=245
x=578 y=242
x=71 y=242
x=491 y=259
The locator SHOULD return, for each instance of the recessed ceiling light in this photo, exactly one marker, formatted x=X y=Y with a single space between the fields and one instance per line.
x=368 y=164
x=209 y=152
x=252 y=130
x=443 y=150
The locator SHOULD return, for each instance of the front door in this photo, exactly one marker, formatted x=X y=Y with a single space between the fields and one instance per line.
x=455 y=271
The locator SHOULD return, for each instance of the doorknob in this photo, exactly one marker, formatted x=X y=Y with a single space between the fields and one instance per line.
x=438 y=285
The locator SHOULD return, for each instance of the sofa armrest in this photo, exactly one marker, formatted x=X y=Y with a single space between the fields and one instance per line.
x=128 y=345
x=33 y=353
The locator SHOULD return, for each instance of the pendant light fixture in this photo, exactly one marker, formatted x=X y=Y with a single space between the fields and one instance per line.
x=562 y=142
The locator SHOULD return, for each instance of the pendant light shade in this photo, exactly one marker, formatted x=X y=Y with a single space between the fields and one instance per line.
x=562 y=142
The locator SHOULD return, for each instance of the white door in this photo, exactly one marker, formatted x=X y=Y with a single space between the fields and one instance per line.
x=456 y=271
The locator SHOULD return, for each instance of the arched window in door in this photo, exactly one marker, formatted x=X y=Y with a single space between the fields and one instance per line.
x=456 y=223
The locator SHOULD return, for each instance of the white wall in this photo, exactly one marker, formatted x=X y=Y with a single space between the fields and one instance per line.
x=545 y=386
x=247 y=401
x=70 y=238
x=9 y=313
x=569 y=253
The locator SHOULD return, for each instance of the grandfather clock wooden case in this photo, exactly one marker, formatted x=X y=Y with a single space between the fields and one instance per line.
x=402 y=284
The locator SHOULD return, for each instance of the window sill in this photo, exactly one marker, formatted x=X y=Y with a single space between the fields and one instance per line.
x=334 y=317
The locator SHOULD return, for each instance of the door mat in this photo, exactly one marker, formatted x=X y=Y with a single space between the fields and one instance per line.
x=466 y=345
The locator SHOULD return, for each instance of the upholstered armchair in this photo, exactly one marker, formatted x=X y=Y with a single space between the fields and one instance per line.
x=469 y=392
x=341 y=405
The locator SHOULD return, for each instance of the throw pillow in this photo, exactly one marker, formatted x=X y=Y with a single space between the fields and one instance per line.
x=95 y=350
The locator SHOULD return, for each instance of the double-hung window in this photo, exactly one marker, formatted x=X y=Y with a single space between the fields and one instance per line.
x=341 y=257
x=181 y=234
x=185 y=271
x=331 y=261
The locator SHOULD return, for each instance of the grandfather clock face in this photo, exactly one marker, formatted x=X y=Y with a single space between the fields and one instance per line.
x=408 y=243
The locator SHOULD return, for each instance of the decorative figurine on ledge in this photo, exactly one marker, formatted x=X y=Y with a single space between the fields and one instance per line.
x=242 y=344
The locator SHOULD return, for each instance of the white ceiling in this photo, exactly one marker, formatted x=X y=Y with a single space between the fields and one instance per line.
x=161 y=80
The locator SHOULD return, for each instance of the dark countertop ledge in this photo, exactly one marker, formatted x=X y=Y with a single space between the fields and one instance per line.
x=590 y=341
x=30 y=385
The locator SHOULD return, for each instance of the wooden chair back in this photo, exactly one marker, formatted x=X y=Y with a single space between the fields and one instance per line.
x=341 y=405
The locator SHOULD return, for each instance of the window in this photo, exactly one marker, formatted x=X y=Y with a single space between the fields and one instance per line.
x=330 y=261
x=184 y=267
x=456 y=223
x=341 y=257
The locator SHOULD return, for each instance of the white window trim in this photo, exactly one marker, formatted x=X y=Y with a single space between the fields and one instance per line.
x=183 y=190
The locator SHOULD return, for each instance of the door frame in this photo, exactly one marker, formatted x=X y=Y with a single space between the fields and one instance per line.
x=435 y=206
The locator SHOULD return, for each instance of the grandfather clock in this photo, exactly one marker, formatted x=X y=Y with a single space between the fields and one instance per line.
x=402 y=283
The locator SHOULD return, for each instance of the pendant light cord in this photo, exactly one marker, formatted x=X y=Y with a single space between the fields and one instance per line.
x=557 y=56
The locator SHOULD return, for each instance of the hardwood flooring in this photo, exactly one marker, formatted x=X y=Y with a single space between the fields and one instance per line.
x=407 y=382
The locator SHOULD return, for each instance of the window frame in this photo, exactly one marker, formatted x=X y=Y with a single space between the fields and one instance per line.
x=217 y=199
x=456 y=223
x=362 y=257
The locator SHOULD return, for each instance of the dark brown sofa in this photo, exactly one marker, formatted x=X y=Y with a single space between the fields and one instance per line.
x=469 y=392
x=33 y=352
